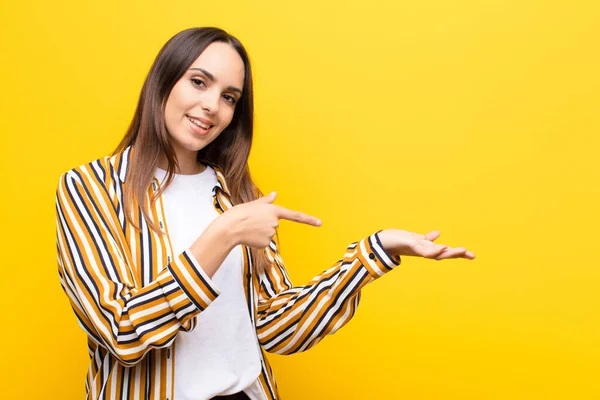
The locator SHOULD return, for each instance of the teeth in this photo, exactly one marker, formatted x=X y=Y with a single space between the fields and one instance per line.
x=200 y=124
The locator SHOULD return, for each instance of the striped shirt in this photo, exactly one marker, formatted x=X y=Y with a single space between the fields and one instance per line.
x=132 y=295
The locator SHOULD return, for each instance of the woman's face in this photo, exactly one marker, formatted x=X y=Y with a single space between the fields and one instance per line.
x=202 y=102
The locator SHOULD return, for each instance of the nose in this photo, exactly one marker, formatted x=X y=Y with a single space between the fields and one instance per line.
x=210 y=101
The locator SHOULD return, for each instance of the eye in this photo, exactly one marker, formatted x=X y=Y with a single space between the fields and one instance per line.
x=230 y=99
x=197 y=82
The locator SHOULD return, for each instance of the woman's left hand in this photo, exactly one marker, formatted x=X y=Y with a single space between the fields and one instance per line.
x=404 y=243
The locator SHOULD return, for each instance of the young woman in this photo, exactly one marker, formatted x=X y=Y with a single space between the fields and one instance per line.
x=166 y=250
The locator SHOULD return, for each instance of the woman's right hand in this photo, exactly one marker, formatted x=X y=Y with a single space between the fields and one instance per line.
x=254 y=223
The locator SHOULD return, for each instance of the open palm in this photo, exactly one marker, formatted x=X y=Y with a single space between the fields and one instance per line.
x=405 y=243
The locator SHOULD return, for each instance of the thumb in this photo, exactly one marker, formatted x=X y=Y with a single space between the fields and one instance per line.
x=268 y=199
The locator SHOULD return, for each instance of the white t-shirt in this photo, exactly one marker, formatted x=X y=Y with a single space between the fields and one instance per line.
x=220 y=355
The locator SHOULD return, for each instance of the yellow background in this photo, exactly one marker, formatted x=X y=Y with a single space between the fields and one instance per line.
x=477 y=118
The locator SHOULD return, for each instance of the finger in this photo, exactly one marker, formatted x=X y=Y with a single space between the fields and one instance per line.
x=429 y=249
x=436 y=252
x=268 y=199
x=297 y=216
x=432 y=235
x=452 y=253
x=464 y=254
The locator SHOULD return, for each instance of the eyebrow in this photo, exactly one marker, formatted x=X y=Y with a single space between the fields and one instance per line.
x=212 y=78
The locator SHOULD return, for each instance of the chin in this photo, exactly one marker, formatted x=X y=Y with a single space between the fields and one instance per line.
x=198 y=144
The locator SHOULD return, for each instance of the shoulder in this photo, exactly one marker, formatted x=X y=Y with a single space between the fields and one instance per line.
x=102 y=172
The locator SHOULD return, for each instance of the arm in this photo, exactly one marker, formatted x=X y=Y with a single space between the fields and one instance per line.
x=95 y=272
x=293 y=319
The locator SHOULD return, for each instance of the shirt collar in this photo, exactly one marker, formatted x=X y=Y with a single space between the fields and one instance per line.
x=121 y=163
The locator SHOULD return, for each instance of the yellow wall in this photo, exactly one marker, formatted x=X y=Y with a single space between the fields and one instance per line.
x=478 y=118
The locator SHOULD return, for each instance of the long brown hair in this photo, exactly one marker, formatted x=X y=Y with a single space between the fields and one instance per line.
x=149 y=135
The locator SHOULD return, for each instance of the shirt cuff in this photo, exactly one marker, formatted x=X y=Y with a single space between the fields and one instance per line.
x=375 y=258
x=193 y=281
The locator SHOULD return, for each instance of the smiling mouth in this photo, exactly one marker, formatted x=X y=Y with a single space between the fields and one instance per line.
x=198 y=123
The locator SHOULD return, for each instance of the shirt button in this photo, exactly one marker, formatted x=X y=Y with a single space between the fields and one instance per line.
x=161 y=224
x=154 y=186
x=168 y=259
x=248 y=275
x=371 y=256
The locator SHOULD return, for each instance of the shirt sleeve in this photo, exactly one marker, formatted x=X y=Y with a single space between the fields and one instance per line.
x=293 y=319
x=96 y=274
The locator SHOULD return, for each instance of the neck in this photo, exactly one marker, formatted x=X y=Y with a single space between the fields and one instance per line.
x=188 y=165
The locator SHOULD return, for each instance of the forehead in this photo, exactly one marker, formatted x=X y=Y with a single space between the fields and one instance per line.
x=223 y=62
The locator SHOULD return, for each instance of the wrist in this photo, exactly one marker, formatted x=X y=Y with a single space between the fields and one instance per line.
x=225 y=231
x=384 y=239
x=382 y=236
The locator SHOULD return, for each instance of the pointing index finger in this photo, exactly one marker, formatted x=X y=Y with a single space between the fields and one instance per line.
x=297 y=216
